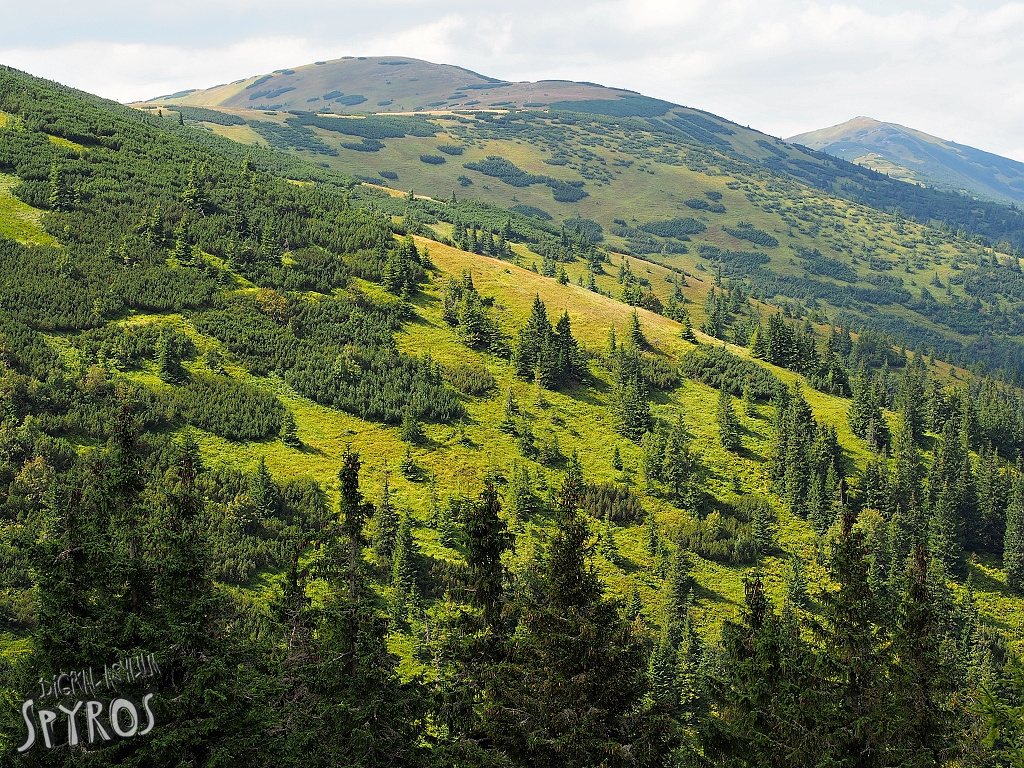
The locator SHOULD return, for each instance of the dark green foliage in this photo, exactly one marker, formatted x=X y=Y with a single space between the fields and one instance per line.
x=734 y=262
x=463 y=307
x=450 y=149
x=290 y=431
x=378 y=386
x=201 y=115
x=270 y=95
x=699 y=204
x=369 y=127
x=432 y=159
x=390 y=175
x=366 y=145
x=545 y=353
x=612 y=501
x=170 y=350
x=728 y=422
x=231 y=408
x=826 y=266
x=744 y=231
x=412 y=430
x=510 y=173
x=865 y=694
x=572 y=688
x=1013 y=545
x=718 y=368
x=338 y=353
x=350 y=100
x=285 y=136
x=593 y=231
x=473 y=380
x=806 y=461
x=679 y=228
x=532 y=210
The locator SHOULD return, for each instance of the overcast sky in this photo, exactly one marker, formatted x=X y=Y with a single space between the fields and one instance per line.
x=955 y=70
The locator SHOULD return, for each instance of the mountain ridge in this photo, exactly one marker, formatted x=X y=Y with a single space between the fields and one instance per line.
x=920 y=158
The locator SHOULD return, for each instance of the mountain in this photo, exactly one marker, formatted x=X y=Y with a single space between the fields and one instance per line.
x=349 y=460
x=400 y=84
x=368 y=85
x=685 y=189
x=916 y=157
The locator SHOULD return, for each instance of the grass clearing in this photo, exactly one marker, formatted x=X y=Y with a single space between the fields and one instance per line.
x=20 y=221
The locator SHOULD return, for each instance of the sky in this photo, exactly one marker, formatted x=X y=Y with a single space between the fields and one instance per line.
x=954 y=70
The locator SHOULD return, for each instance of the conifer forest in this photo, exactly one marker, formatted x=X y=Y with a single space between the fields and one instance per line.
x=364 y=477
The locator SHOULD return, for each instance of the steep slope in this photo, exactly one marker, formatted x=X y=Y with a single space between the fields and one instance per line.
x=920 y=158
x=195 y=337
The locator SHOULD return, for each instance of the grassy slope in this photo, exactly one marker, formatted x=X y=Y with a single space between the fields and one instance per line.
x=628 y=181
x=19 y=221
x=458 y=460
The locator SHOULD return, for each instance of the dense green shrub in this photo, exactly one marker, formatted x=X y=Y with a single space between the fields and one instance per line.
x=679 y=228
x=743 y=231
x=469 y=379
x=231 y=408
x=717 y=367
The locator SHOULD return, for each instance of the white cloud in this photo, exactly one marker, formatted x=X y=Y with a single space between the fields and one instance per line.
x=783 y=66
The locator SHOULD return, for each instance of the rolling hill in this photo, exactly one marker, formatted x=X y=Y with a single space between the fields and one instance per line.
x=399 y=84
x=680 y=188
x=917 y=157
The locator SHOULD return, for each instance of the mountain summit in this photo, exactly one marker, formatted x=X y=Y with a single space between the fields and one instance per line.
x=403 y=84
x=920 y=158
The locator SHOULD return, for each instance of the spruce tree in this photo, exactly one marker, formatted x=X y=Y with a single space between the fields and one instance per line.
x=341 y=700
x=168 y=360
x=678 y=463
x=1013 y=542
x=922 y=731
x=764 y=693
x=608 y=547
x=728 y=422
x=572 y=691
x=796 y=583
x=632 y=411
x=403 y=570
x=676 y=597
x=634 y=334
x=385 y=520
x=290 y=430
x=412 y=429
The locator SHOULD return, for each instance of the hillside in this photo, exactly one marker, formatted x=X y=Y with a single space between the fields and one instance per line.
x=353 y=461
x=916 y=157
x=698 y=194
x=400 y=84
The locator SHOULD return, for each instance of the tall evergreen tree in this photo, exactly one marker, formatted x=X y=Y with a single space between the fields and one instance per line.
x=728 y=422
x=1013 y=543
x=572 y=690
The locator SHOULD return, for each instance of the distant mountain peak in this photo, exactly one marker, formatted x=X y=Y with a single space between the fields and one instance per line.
x=920 y=158
x=403 y=84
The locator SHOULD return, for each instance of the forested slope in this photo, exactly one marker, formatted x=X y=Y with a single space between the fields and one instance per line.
x=371 y=498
